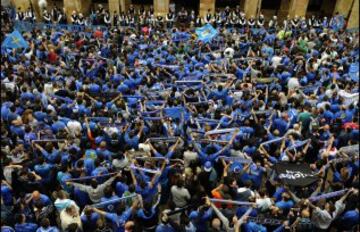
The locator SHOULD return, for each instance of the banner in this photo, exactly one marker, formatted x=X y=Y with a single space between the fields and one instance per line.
x=328 y=195
x=206 y=33
x=104 y=203
x=220 y=131
x=145 y=169
x=295 y=174
x=236 y=159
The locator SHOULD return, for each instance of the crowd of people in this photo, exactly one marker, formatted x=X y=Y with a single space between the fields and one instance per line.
x=140 y=17
x=141 y=128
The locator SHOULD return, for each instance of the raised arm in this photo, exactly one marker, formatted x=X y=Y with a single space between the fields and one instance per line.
x=141 y=129
x=115 y=99
x=133 y=177
x=220 y=215
x=227 y=146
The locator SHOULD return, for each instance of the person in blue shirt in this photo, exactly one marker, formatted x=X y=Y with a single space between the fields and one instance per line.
x=204 y=156
x=6 y=194
x=166 y=224
x=22 y=226
x=285 y=204
x=44 y=170
x=168 y=154
x=200 y=217
x=120 y=217
x=281 y=124
x=89 y=219
x=132 y=139
x=349 y=219
x=38 y=197
x=109 y=196
x=46 y=227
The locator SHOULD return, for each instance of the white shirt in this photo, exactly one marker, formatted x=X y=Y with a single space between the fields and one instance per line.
x=293 y=83
x=276 y=60
x=66 y=220
x=264 y=204
x=74 y=127
x=321 y=218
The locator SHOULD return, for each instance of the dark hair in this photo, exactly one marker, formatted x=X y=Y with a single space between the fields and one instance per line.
x=45 y=223
x=94 y=183
x=73 y=227
x=108 y=191
x=180 y=183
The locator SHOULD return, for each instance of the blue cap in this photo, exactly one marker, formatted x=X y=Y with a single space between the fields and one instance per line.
x=236 y=167
x=207 y=166
x=193 y=215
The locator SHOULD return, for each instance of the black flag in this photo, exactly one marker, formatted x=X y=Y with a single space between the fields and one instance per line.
x=295 y=174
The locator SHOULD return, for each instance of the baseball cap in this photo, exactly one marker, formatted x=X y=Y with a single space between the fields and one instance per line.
x=207 y=166
x=193 y=215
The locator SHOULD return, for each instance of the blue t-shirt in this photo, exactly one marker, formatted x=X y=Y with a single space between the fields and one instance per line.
x=26 y=227
x=45 y=200
x=349 y=219
x=109 y=207
x=120 y=188
x=89 y=223
x=118 y=221
x=164 y=228
x=253 y=227
x=6 y=194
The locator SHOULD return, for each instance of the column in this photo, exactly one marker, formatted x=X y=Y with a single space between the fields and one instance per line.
x=161 y=7
x=343 y=7
x=284 y=10
x=354 y=16
x=252 y=7
x=22 y=4
x=114 y=5
x=205 y=5
x=298 y=7
x=37 y=10
x=80 y=6
x=118 y=6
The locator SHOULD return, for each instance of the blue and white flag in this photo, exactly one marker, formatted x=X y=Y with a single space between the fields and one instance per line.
x=206 y=33
x=15 y=40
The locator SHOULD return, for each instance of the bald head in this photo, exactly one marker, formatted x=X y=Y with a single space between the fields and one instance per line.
x=36 y=195
x=216 y=223
x=129 y=226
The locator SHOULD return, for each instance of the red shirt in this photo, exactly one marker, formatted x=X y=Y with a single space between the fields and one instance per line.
x=98 y=34
x=351 y=125
x=52 y=56
x=79 y=43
